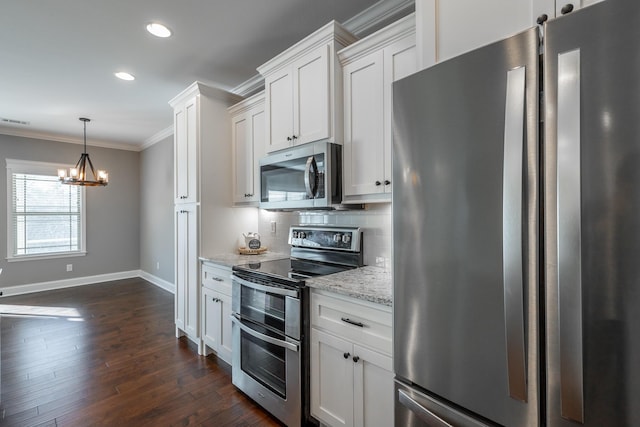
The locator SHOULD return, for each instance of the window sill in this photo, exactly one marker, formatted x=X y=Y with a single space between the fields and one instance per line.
x=46 y=256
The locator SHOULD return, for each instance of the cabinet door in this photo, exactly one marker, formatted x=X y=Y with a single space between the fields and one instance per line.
x=224 y=342
x=210 y=320
x=363 y=139
x=186 y=152
x=257 y=145
x=242 y=159
x=400 y=60
x=373 y=388
x=187 y=289
x=279 y=108
x=311 y=97
x=464 y=25
x=331 y=379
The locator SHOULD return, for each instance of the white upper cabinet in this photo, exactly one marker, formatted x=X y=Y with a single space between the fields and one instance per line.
x=186 y=151
x=248 y=136
x=303 y=90
x=446 y=28
x=449 y=28
x=370 y=66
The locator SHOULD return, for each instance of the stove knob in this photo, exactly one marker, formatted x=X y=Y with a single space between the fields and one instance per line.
x=294 y=234
x=302 y=234
x=346 y=238
x=337 y=237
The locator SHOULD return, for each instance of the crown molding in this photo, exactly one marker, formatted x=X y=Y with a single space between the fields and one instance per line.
x=70 y=140
x=199 y=88
x=247 y=104
x=249 y=87
x=331 y=32
x=378 y=14
x=152 y=140
x=403 y=27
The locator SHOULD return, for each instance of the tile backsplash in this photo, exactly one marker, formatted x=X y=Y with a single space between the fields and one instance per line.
x=375 y=221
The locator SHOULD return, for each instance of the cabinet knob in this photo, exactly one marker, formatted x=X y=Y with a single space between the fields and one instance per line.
x=346 y=355
x=294 y=137
x=378 y=183
x=387 y=182
x=567 y=8
x=355 y=359
x=288 y=138
x=542 y=19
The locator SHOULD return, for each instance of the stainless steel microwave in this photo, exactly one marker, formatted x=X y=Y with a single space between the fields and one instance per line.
x=303 y=177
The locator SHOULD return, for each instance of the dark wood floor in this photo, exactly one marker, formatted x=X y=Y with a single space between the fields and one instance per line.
x=106 y=355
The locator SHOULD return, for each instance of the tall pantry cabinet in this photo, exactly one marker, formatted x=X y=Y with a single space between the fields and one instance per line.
x=205 y=221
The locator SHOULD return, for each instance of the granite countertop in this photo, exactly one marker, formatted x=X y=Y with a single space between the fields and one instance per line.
x=366 y=283
x=231 y=259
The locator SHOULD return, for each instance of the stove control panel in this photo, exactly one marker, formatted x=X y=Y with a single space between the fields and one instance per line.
x=326 y=237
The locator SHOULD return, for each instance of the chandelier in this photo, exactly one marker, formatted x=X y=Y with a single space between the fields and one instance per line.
x=78 y=175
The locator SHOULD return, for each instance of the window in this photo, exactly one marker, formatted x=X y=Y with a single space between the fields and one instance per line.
x=46 y=219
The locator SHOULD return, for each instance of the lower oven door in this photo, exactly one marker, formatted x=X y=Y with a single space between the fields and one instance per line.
x=267 y=367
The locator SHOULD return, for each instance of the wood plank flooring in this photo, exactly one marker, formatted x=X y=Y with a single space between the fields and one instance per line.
x=106 y=355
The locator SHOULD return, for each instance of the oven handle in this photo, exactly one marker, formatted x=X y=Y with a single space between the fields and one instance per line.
x=270 y=340
x=263 y=288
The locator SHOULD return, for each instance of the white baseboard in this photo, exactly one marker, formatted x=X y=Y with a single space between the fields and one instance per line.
x=88 y=280
x=161 y=283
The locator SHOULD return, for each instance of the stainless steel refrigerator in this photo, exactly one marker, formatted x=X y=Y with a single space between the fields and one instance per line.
x=516 y=223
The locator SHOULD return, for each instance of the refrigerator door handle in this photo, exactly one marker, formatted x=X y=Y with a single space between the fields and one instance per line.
x=421 y=412
x=512 y=245
x=569 y=237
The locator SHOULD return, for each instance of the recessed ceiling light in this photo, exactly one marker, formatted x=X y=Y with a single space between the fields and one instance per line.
x=124 y=76
x=158 y=30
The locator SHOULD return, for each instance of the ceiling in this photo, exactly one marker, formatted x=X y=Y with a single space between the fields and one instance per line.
x=58 y=58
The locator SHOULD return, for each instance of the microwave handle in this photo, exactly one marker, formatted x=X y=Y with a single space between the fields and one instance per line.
x=311 y=164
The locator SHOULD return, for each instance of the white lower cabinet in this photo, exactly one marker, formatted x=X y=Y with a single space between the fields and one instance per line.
x=216 y=311
x=351 y=365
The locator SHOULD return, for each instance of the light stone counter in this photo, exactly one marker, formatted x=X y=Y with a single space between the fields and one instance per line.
x=367 y=283
x=231 y=259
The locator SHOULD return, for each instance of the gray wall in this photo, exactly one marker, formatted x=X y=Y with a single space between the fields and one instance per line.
x=156 y=210
x=113 y=213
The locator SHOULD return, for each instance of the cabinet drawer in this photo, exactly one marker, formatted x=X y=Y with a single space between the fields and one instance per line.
x=357 y=321
x=217 y=277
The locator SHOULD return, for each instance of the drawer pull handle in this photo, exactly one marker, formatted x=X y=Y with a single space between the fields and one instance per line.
x=352 y=322
x=217 y=279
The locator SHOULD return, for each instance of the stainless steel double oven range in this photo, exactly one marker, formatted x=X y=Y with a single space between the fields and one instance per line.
x=271 y=318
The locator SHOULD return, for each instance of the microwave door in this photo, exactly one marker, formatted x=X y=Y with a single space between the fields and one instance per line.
x=311 y=177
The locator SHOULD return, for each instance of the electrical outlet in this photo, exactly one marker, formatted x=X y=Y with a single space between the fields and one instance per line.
x=273 y=227
x=69 y=267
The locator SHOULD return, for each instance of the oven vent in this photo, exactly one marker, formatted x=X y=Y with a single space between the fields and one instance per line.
x=14 y=122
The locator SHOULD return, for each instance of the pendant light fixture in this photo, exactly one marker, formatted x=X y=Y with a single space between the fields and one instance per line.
x=78 y=175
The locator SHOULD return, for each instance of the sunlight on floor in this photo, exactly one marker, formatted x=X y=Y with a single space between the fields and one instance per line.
x=37 y=311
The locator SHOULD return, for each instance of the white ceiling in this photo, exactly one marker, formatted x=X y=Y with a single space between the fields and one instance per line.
x=57 y=58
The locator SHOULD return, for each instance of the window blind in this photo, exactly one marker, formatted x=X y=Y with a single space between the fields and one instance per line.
x=46 y=215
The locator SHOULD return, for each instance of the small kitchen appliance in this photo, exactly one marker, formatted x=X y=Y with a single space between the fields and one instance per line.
x=270 y=319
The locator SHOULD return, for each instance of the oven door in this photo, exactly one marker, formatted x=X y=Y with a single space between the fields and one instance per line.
x=277 y=308
x=267 y=367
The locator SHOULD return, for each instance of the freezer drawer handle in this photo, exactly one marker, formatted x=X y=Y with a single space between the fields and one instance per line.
x=512 y=250
x=352 y=322
x=423 y=413
x=568 y=235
